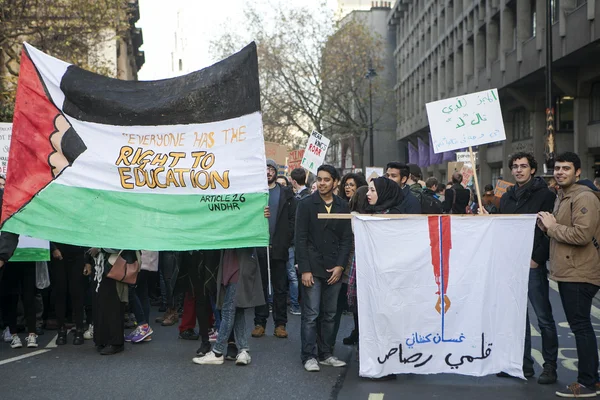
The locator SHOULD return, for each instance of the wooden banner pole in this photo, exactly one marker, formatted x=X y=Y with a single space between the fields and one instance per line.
x=476 y=180
x=404 y=216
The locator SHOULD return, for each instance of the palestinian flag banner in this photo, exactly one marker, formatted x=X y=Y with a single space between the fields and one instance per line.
x=175 y=164
x=31 y=249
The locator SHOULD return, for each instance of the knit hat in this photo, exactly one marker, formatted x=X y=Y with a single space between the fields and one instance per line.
x=272 y=163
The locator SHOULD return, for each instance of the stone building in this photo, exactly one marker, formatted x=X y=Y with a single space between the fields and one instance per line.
x=446 y=48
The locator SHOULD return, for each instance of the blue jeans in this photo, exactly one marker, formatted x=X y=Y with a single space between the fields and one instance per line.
x=293 y=279
x=318 y=338
x=168 y=263
x=577 y=301
x=216 y=311
x=539 y=298
x=138 y=298
x=232 y=319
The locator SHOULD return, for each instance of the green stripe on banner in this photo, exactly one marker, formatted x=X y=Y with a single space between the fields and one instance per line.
x=140 y=221
x=31 y=254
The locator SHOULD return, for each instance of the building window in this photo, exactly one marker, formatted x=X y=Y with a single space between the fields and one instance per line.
x=564 y=115
x=180 y=64
x=533 y=17
x=496 y=175
x=555 y=8
x=595 y=103
x=521 y=125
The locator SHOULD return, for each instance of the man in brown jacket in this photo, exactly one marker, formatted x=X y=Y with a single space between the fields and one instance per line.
x=573 y=229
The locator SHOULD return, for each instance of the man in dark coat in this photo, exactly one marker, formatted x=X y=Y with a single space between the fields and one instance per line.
x=529 y=196
x=457 y=197
x=322 y=251
x=282 y=218
x=399 y=173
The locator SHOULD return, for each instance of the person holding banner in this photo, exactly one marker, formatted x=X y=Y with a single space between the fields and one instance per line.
x=67 y=274
x=282 y=216
x=13 y=275
x=239 y=287
x=573 y=229
x=322 y=250
x=529 y=196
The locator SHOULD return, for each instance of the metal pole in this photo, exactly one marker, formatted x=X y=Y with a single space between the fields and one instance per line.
x=371 y=152
x=550 y=148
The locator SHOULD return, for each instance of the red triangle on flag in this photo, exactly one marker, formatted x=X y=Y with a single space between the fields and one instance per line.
x=33 y=123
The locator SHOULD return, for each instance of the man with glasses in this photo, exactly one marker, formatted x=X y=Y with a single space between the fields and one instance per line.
x=531 y=195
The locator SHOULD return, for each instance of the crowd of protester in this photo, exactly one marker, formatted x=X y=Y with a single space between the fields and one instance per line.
x=308 y=270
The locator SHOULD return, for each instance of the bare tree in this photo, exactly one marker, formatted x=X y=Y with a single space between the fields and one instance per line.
x=312 y=71
x=290 y=44
x=351 y=52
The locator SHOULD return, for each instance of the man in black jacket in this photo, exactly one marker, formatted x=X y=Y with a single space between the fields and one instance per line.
x=399 y=173
x=457 y=197
x=529 y=196
x=298 y=178
x=282 y=218
x=322 y=250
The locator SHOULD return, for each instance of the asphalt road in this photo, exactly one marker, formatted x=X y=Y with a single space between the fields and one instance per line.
x=163 y=369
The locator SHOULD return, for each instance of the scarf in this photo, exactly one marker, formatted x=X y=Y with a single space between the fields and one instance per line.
x=389 y=195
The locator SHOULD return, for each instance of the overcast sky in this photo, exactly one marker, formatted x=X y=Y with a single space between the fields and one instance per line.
x=201 y=21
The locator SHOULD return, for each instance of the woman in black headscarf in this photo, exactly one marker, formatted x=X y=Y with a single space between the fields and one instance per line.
x=384 y=196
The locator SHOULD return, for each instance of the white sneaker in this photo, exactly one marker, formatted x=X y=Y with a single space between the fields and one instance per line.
x=31 y=341
x=89 y=334
x=333 y=362
x=243 y=358
x=7 y=335
x=15 y=342
x=312 y=365
x=209 y=359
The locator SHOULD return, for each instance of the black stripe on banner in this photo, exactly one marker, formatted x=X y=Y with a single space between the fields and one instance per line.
x=222 y=91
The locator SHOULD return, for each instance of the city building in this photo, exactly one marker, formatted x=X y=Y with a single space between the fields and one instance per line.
x=345 y=153
x=446 y=48
x=121 y=54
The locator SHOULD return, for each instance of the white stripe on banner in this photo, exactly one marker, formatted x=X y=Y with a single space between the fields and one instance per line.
x=224 y=157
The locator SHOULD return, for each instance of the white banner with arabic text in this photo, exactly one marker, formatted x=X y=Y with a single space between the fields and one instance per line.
x=442 y=294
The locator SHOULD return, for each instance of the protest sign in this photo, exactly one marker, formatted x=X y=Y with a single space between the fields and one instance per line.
x=315 y=152
x=465 y=121
x=278 y=153
x=28 y=249
x=5 y=135
x=464 y=156
x=175 y=164
x=373 y=172
x=502 y=187
x=450 y=305
x=295 y=159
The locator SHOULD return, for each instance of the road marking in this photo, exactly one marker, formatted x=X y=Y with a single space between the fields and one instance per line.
x=376 y=396
x=534 y=332
x=33 y=354
x=595 y=310
x=52 y=344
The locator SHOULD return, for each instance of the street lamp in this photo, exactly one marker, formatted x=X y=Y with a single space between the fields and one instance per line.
x=370 y=75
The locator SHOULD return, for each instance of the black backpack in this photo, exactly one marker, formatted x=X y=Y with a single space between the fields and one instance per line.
x=430 y=205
